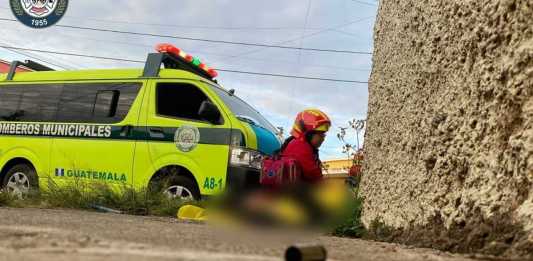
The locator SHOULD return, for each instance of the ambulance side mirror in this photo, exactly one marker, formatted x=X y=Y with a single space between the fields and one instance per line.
x=209 y=112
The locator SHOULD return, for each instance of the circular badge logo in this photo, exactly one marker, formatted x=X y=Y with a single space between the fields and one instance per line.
x=38 y=13
x=186 y=138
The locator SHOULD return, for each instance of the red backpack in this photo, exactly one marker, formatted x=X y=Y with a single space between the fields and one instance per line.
x=278 y=171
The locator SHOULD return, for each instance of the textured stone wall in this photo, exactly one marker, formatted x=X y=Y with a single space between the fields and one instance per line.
x=449 y=141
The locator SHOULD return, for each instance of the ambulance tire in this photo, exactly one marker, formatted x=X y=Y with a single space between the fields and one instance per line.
x=177 y=184
x=21 y=179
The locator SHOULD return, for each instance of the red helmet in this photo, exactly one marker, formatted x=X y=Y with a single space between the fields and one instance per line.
x=310 y=120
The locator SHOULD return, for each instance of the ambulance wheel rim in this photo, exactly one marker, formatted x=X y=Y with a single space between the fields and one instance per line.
x=180 y=192
x=18 y=184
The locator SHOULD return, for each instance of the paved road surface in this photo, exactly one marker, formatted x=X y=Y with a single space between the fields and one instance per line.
x=44 y=234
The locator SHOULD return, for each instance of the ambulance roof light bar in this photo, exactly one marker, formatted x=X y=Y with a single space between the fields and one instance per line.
x=174 y=58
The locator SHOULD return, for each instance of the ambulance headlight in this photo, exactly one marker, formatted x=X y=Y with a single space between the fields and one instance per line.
x=246 y=158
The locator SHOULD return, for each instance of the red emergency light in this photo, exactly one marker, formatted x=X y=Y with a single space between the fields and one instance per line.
x=178 y=53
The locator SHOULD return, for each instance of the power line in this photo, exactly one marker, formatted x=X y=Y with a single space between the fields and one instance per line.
x=292 y=76
x=309 y=4
x=293 y=88
x=183 y=26
x=346 y=33
x=264 y=60
x=219 y=69
x=72 y=54
x=305 y=36
x=364 y=3
x=35 y=58
x=201 y=39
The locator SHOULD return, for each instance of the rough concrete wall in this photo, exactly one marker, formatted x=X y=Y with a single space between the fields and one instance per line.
x=449 y=141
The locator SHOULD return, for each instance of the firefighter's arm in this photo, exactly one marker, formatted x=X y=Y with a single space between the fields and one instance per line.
x=311 y=169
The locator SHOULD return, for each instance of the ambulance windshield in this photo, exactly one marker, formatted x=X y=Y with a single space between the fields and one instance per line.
x=243 y=111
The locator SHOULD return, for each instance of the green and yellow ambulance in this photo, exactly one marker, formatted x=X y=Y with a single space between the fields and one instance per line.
x=170 y=123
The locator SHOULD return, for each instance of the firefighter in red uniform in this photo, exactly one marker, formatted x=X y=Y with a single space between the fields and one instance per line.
x=267 y=205
x=307 y=135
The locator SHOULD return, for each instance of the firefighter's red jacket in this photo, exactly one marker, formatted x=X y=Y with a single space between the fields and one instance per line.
x=307 y=158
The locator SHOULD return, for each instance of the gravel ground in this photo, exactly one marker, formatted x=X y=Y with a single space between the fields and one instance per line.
x=45 y=234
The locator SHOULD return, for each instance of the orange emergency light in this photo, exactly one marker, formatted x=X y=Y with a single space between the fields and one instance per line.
x=180 y=54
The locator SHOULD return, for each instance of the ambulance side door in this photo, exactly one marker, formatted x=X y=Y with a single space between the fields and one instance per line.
x=27 y=106
x=93 y=140
x=177 y=135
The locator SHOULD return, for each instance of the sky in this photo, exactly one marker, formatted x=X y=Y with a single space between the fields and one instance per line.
x=320 y=24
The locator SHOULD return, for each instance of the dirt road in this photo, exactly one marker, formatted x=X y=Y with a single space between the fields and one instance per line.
x=44 y=234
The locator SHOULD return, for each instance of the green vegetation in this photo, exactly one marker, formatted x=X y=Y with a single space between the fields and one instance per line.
x=145 y=202
x=98 y=197
x=379 y=231
x=351 y=225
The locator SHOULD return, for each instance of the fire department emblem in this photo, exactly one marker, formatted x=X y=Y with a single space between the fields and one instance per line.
x=186 y=138
x=38 y=13
x=38 y=8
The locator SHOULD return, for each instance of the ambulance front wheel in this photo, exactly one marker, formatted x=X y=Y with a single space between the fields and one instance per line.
x=179 y=187
x=20 y=180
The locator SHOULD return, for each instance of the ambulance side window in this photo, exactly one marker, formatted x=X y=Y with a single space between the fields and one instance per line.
x=9 y=102
x=39 y=102
x=76 y=103
x=128 y=93
x=179 y=100
x=29 y=102
x=96 y=102
x=105 y=105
